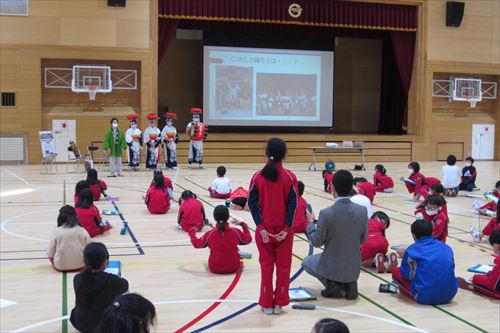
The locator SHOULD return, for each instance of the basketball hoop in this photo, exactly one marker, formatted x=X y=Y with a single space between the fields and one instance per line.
x=92 y=90
x=472 y=100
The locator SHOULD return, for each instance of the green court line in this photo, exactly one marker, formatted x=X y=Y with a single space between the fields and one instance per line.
x=64 y=328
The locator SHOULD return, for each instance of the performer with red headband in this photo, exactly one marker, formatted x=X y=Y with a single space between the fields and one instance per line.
x=133 y=137
x=152 y=139
x=170 y=138
x=197 y=132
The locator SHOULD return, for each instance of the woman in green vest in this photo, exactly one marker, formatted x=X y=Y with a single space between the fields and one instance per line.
x=114 y=143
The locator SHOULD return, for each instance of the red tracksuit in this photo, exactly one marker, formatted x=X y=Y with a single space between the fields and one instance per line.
x=367 y=189
x=240 y=192
x=376 y=241
x=158 y=200
x=439 y=224
x=491 y=205
x=489 y=284
x=300 y=221
x=492 y=226
x=191 y=214
x=167 y=182
x=90 y=219
x=224 y=257
x=273 y=206
x=327 y=181
x=421 y=209
x=422 y=184
x=382 y=182
x=97 y=189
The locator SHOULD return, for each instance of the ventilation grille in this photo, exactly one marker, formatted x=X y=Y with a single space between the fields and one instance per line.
x=8 y=99
x=12 y=149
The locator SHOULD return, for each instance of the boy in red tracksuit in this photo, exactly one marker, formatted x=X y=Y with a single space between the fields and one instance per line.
x=88 y=214
x=191 y=212
x=382 y=182
x=492 y=206
x=374 y=250
x=487 y=284
x=239 y=198
x=436 y=189
x=422 y=184
x=300 y=221
x=96 y=185
x=223 y=242
x=492 y=226
x=365 y=188
x=272 y=201
x=157 y=198
x=434 y=214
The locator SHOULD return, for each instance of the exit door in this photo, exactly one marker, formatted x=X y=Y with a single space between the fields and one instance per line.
x=64 y=132
x=483 y=141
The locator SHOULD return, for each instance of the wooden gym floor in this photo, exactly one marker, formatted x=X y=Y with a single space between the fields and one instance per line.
x=164 y=267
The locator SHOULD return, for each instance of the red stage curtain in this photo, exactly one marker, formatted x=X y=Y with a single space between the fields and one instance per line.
x=320 y=13
x=166 y=32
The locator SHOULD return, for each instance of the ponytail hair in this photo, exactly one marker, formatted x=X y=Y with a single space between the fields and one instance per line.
x=275 y=152
x=67 y=217
x=159 y=180
x=95 y=256
x=380 y=168
x=221 y=216
x=130 y=313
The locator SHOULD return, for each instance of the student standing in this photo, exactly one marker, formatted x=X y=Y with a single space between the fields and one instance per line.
x=133 y=137
x=152 y=140
x=272 y=201
x=114 y=144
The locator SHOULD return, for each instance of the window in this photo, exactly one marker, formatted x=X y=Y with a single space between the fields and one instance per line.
x=8 y=99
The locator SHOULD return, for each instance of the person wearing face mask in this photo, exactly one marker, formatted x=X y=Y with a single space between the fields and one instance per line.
x=171 y=139
x=152 y=139
x=417 y=184
x=197 y=132
x=133 y=137
x=434 y=214
x=469 y=174
x=114 y=143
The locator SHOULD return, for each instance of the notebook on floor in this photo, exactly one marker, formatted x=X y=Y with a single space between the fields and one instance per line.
x=480 y=269
x=114 y=267
x=300 y=294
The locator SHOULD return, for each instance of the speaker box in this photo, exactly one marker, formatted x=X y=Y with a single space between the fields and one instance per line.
x=117 y=3
x=454 y=13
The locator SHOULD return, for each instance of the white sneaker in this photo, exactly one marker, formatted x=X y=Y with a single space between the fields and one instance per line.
x=476 y=205
x=179 y=227
x=277 y=310
x=267 y=311
x=476 y=235
x=202 y=166
x=190 y=166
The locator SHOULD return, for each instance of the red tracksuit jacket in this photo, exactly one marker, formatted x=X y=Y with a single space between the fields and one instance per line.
x=491 y=226
x=376 y=241
x=90 y=219
x=166 y=180
x=367 y=189
x=191 y=214
x=439 y=224
x=224 y=257
x=275 y=206
x=300 y=222
x=382 y=182
x=96 y=189
x=489 y=284
x=158 y=200
x=240 y=192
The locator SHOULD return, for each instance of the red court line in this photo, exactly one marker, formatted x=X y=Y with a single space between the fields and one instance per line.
x=216 y=304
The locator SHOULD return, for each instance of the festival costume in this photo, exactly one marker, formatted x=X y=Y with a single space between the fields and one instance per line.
x=133 y=137
x=197 y=132
x=152 y=139
x=170 y=139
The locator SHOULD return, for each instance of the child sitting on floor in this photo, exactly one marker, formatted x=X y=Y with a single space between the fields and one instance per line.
x=328 y=176
x=221 y=186
x=417 y=184
x=223 y=242
x=492 y=226
x=96 y=185
x=487 y=284
x=433 y=213
x=191 y=212
x=238 y=200
x=78 y=188
x=469 y=174
x=491 y=207
x=374 y=250
x=451 y=174
x=157 y=198
x=427 y=269
x=364 y=188
x=382 y=182
x=300 y=221
x=88 y=214
x=436 y=189
x=66 y=247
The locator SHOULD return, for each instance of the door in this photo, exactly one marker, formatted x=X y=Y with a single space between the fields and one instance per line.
x=64 y=132
x=483 y=141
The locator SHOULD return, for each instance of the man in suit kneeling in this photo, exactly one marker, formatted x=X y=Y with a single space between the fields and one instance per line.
x=341 y=228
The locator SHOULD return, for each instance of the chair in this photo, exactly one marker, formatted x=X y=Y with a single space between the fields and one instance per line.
x=99 y=158
x=48 y=162
x=75 y=161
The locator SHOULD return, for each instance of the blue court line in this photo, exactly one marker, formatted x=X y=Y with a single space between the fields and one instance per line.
x=129 y=230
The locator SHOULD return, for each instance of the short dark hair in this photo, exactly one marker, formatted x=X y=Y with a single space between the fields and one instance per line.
x=342 y=182
x=437 y=188
x=359 y=180
x=330 y=325
x=240 y=201
x=421 y=228
x=221 y=171
x=113 y=119
x=451 y=160
x=497 y=184
x=415 y=166
x=494 y=237
x=301 y=186
x=434 y=200
x=383 y=217
x=469 y=158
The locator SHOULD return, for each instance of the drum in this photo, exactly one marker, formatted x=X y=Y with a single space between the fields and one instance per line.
x=198 y=132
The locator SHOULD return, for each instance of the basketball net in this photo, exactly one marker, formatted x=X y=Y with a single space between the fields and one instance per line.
x=472 y=101
x=92 y=89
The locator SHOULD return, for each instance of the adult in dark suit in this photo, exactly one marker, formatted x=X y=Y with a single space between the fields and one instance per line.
x=341 y=228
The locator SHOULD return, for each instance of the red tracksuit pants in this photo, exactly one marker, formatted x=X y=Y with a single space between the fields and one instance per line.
x=279 y=254
x=424 y=190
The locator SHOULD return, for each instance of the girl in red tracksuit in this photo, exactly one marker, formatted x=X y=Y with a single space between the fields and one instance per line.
x=434 y=214
x=78 y=188
x=375 y=248
x=365 y=188
x=239 y=198
x=88 y=214
x=96 y=185
x=157 y=198
x=422 y=184
x=166 y=181
x=223 y=242
x=492 y=205
x=300 y=222
x=382 y=182
x=272 y=200
x=191 y=212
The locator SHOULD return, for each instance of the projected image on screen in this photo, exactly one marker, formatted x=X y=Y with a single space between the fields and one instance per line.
x=267 y=87
x=286 y=95
x=233 y=91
